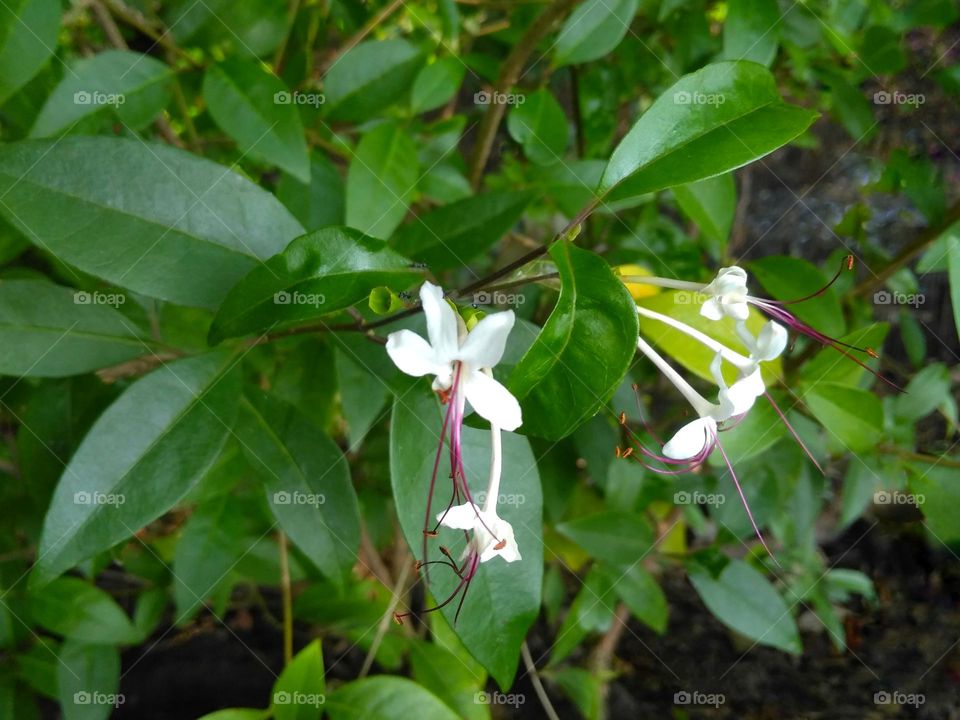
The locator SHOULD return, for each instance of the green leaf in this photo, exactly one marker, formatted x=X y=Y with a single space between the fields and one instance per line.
x=504 y=598
x=88 y=677
x=829 y=365
x=51 y=331
x=711 y=204
x=298 y=694
x=448 y=236
x=594 y=29
x=709 y=122
x=926 y=391
x=211 y=228
x=172 y=423
x=540 y=126
x=751 y=31
x=131 y=86
x=615 y=537
x=80 y=611
x=583 y=350
x=937 y=493
x=640 y=592
x=208 y=549
x=953 y=272
x=449 y=677
x=745 y=601
x=788 y=278
x=370 y=77
x=881 y=52
x=385 y=698
x=316 y=274
x=381 y=180
x=256 y=109
x=436 y=84
x=318 y=204
x=307 y=483
x=852 y=415
x=238 y=714
x=363 y=395
x=28 y=37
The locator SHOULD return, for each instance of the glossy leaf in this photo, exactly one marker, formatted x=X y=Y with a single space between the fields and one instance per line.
x=51 y=331
x=711 y=204
x=449 y=236
x=594 y=29
x=307 y=483
x=128 y=85
x=318 y=204
x=540 y=127
x=852 y=415
x=381 y=180
x=257 y=110
x=436 y=84
x=370 y=77
x=583 y=351
x=709 y=122
x=385 y=698
x=298 y=694
x=616 y=537
x=504 y=598
x=88 y=677
x=743 y=600
x=210 y=228
x=751 y=31
x=173 y=423
x=449 y=677
x=80 y=611
x=317 y=274
x=28 y=37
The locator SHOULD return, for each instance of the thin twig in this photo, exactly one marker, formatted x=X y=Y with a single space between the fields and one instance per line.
x=386 y=619
x=287 y=598
x=537 y=682
x=362 y=33
x=509 y=76
x=291 y=18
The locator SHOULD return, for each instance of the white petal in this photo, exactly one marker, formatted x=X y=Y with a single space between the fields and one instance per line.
x=738 y=310
x=711 y=309
x=743 y=393
x=461 y=517
x=412 y=354
x=485 y=343
x=492 y=401
x=441 y=322
x=691 y=439
x=509 y=550
x=771 y=341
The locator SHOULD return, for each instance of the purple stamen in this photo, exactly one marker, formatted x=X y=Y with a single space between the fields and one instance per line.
x=793 y=432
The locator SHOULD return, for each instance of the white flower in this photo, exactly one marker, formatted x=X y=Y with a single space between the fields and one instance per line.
x=728 y=295
x=692 y=440
x=768 y=345
x=451 y=347
x=492 y=535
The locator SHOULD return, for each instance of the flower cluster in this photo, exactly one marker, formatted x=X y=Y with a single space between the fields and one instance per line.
x=725 y=297
x=461 y=364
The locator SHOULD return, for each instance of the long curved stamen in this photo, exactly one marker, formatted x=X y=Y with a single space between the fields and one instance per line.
x=743 y=499
x=466 y=575
x=793 y=432
x=846 y=264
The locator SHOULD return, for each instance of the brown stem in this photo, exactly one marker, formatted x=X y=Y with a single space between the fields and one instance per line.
x=287 y=599
x=930 y=234
x=509 y=76
x=361 y=34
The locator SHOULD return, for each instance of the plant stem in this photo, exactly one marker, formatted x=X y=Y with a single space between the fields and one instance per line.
x=287 y=599
x=282 y=49
x=537 y=682
x=926 y=237
x=387 y=618
x=509 y=76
